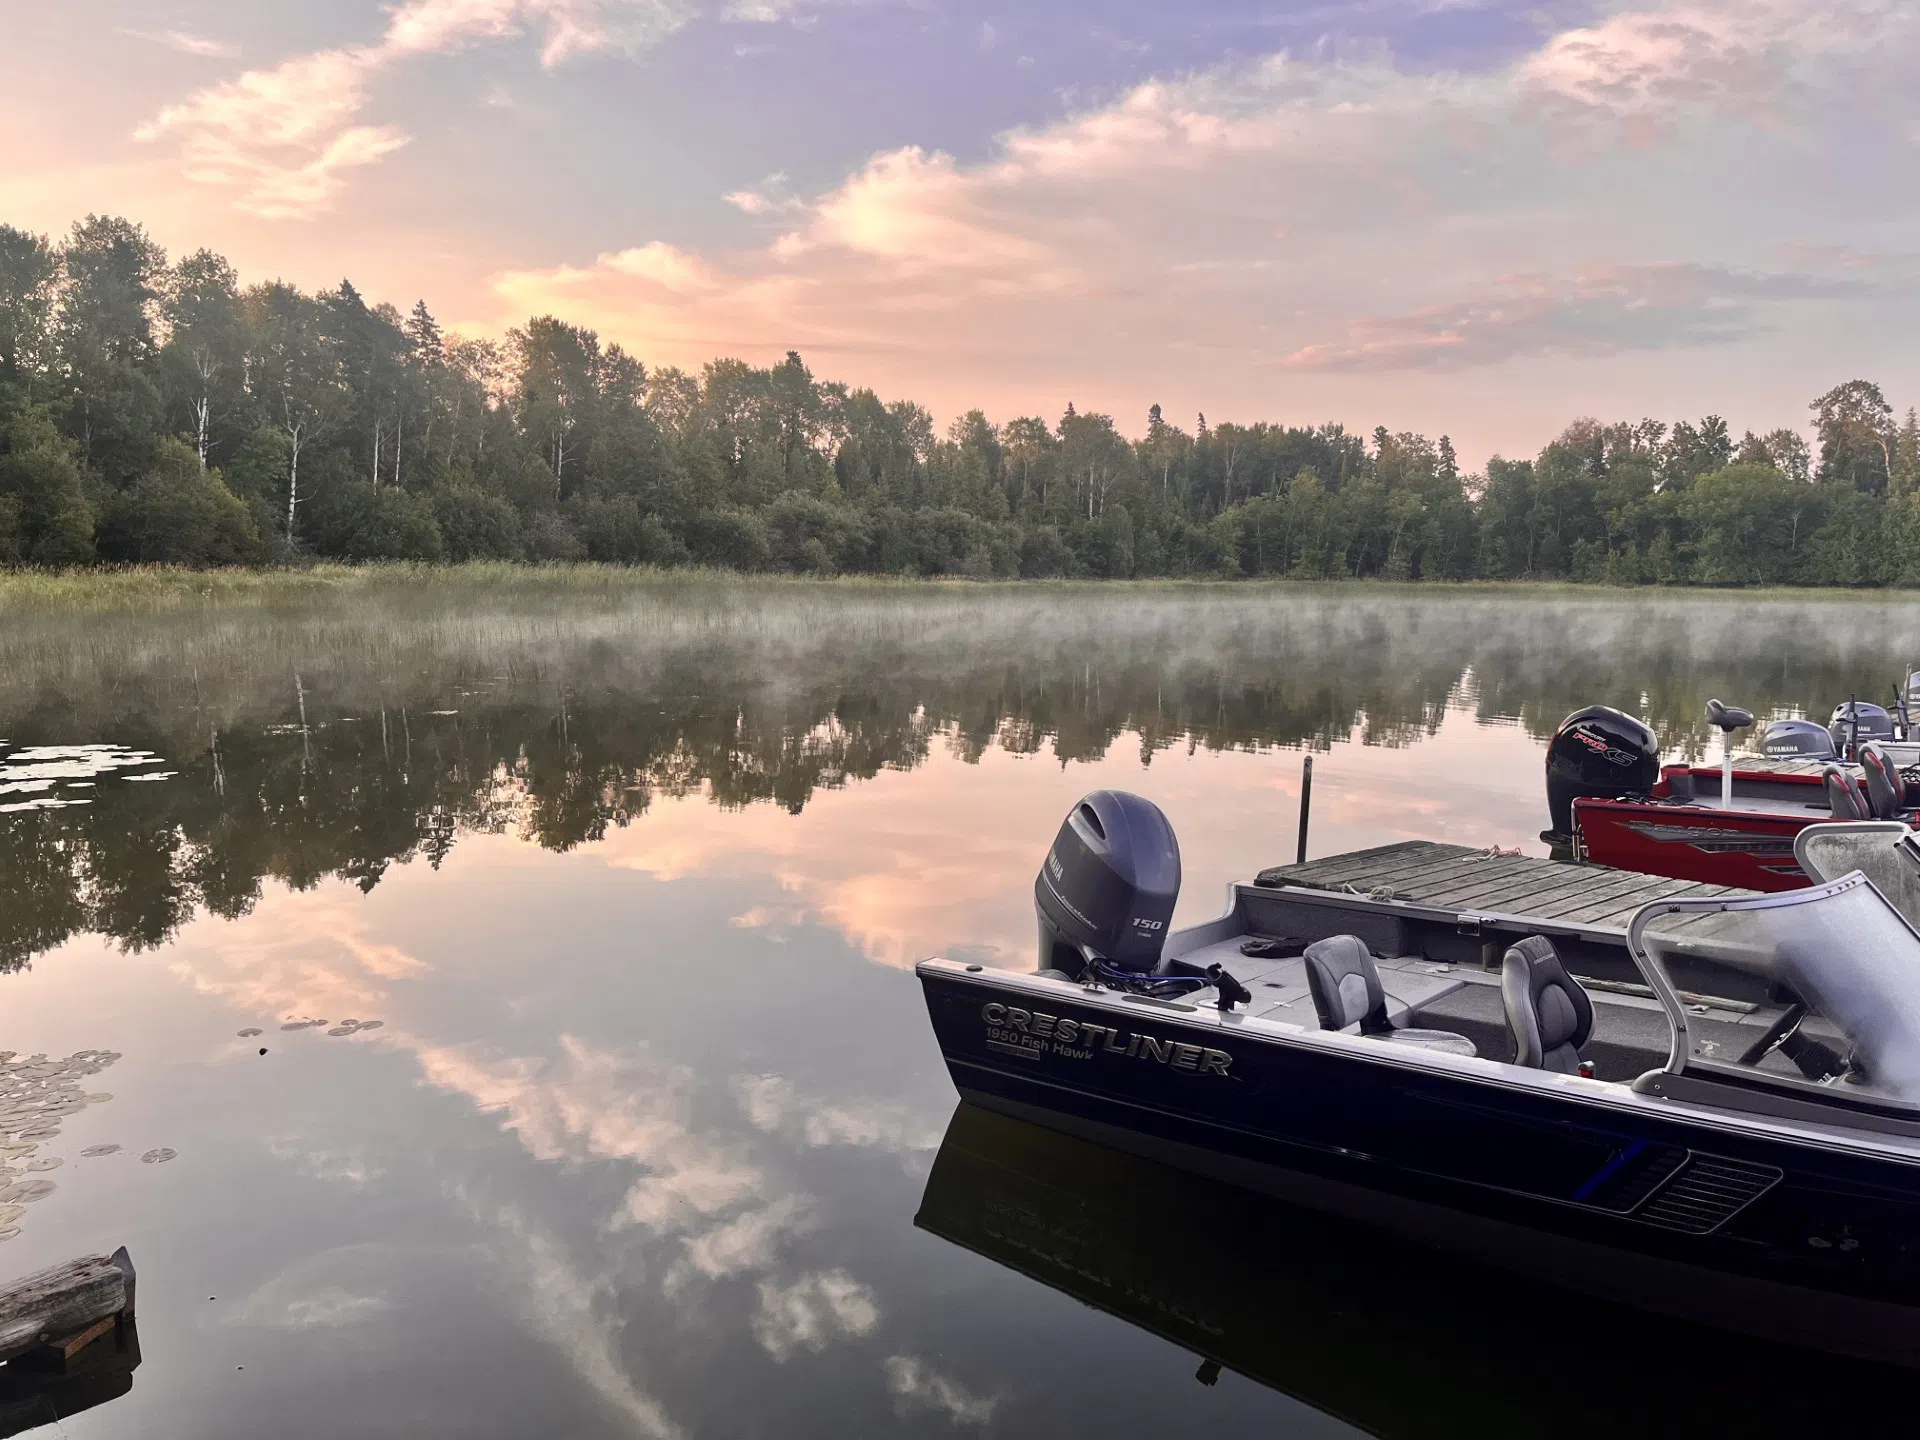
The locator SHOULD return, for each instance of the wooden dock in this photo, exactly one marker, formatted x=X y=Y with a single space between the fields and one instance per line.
x=1469 y=889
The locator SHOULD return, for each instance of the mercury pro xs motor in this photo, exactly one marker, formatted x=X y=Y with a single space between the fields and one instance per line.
x=1106 y=891
x=1598 y=751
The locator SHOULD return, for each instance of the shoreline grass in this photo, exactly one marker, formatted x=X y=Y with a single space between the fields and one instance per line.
x=154 y=587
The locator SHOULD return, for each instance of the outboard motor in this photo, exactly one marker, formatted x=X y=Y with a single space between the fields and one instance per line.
x=1598 y=751
x=1797 y=740
x=1857 y=720
x=1108 y=886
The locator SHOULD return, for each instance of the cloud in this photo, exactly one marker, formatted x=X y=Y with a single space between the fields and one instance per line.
x=1197 y=231
x=326 y=1309
x=285 y=138
x=576 y=1312
x=747 y=1242
x=311 y=954
x=201 y=46
x=308 y=1294
x=773 y=1105
x=917 y=1385
x=282 y=138
x=812 y=1313
x=772 y=196
x=1599 y=310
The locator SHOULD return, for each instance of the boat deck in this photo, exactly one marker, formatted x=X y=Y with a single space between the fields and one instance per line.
x=1438 y=918
x=1454 y=904
x=1459 y=878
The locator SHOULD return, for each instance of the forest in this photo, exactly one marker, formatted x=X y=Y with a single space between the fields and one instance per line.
x=160 y=412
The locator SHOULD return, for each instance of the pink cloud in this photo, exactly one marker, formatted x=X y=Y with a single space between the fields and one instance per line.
x=1599 y=310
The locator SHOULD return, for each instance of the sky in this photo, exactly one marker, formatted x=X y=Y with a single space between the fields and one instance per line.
x=1480 y=219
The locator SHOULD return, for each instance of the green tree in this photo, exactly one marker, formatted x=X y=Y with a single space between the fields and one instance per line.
x=45 y=515
x=204 y=360
x=1751 y=525
x=29 y=275
x=104 y=336
x=1855 y=425
x=179 y=513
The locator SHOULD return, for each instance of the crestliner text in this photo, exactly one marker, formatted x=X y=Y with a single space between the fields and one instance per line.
x=1029 y=1032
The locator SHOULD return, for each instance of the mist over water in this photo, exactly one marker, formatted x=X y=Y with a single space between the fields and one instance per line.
x=630 y=876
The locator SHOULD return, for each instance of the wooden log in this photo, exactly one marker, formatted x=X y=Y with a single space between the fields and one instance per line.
x=63 y=1348
x=63 y=1300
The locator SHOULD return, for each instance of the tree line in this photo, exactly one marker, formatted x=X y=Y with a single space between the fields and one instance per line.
x=162 y=412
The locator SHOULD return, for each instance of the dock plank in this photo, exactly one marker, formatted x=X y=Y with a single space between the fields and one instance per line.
x=1601 y=898
x=1531 y=890
x=1459 y=877
x=1334 y=871
x=1430 y=869
x=1474 y=871
x=1617 y=915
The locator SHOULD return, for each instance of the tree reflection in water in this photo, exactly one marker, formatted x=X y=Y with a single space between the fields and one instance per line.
x=339 y=734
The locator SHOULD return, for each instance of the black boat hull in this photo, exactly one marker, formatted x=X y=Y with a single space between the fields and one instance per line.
x=1644 y=1202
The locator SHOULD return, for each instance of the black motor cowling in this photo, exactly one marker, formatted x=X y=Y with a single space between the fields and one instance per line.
x=1598 y=751
x=1856 y=719
x=1797 y=740
x=1108 y=885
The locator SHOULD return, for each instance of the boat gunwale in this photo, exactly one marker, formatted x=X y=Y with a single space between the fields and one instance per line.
x=1889 y=1138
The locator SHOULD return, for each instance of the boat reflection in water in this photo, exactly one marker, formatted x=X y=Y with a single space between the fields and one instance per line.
x=1382 y=1333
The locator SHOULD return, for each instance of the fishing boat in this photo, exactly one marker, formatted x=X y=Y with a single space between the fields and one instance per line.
x=1753 y=1166
x=1613 y=803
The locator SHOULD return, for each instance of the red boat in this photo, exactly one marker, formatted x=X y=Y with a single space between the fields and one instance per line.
x=1614 y=804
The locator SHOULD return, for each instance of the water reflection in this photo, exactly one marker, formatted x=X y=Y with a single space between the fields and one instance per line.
x=630 y=882
x=1389 y=1337
x=326 y=740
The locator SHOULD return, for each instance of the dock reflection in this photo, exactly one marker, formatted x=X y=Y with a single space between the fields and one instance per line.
x=32 y=1396
x=1394 y=1338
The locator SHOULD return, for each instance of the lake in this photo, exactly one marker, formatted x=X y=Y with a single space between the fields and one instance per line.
x=651 y=1137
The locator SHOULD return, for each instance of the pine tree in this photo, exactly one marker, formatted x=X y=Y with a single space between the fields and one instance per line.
x=424 y=339
x=1906 y=455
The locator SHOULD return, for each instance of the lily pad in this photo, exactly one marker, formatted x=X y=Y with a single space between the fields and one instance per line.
x=94 y=1152
x=156 y=1157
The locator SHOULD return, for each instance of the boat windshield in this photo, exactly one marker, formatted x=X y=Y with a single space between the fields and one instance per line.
x=1885 y=851
x=1842 y=961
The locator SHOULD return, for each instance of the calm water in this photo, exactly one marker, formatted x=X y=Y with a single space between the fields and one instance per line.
x=633 y=883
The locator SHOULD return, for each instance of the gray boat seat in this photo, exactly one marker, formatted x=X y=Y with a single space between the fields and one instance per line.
x=1549 y=1014
x=1346 y=989
x=1844 y=795
x=1886 y=791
